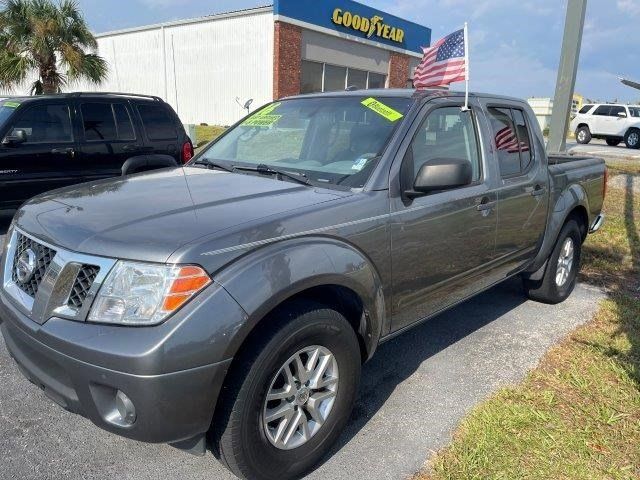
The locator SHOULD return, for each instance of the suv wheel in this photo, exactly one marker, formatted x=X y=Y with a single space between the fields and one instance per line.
x=562 y=268
x=613 y=142
x=583 y=135
x=632 y=138
x=290 y=395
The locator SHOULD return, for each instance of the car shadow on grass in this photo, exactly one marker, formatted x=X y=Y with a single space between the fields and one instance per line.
x=398 y=359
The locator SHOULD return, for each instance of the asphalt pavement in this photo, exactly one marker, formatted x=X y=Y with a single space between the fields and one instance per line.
x=413 y=394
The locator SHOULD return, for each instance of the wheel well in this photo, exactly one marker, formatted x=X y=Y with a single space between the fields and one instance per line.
x=579 y=213
x=631 y=129
x=580 y=125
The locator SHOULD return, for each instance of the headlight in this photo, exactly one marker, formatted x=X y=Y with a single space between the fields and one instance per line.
x=145 y=294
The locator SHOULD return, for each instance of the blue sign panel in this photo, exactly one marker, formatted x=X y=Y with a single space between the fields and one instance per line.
x=353 y=18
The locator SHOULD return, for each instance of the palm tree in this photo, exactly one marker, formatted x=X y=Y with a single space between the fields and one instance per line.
x=46 y=37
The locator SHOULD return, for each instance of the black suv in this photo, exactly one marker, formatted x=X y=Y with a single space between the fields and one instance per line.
x=58 y=140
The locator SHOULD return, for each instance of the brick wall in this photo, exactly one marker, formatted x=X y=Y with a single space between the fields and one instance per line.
x=287 y=54
x=398 y=70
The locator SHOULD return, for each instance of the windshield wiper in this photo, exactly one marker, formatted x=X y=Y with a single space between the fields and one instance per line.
x=210 y=164
x=267 y=170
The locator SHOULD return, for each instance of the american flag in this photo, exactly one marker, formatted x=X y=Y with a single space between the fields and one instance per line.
x=443 y=63
x=507 y=140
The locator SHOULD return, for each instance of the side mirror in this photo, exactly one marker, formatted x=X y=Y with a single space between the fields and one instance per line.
x=441 y=174
x=16 y=137
x=622 y=114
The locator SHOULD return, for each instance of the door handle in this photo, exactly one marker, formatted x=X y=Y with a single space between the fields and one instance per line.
x=538 y=190
x=68 y=151
x=131 y=148
x=485 y=205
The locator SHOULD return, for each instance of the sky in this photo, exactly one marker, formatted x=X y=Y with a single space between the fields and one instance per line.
x=514 y=44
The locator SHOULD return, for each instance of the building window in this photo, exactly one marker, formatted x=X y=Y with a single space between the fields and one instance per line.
x=323 y=77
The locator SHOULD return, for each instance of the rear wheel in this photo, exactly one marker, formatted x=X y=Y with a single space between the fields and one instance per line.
x=632 y=138
x=583 y=135
x=613 y=142
x=562 y=268
x=290 y=395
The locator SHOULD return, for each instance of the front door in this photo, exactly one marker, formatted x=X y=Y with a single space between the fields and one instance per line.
x=45 y=161
x=442 y=240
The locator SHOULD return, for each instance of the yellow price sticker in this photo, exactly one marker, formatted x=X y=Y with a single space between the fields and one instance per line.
x=382 y=109
x=261 y=120
x=11 y=104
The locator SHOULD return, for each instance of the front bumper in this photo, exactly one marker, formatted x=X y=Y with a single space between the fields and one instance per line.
x=169 y=407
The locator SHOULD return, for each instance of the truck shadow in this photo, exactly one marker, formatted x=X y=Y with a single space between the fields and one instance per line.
x=398 y=359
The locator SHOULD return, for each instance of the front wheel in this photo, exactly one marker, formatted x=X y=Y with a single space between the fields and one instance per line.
x=562 y=268
x=632 y=139
x=290 y=394
x=583 y=135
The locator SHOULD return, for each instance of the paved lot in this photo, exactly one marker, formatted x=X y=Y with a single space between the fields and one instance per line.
x=601 y=149
x=413 y=394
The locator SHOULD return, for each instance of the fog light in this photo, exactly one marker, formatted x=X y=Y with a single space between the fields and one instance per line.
x=122 y=412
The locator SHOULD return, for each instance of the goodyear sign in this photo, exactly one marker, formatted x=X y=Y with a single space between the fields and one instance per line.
x=371 y=27
x=347 y=17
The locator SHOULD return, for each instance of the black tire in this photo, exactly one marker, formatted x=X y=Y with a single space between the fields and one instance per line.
x=583 y=135
x=548 y=290
x=632 y=138
x=238 y=436
x=613 y=142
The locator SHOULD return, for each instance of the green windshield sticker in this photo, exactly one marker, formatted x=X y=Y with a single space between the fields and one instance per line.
x=382 y=109
x=263 y=118
x=11 y=104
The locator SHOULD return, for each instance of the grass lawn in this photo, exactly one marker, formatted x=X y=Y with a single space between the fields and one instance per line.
x=206 y=133
x=576 y=416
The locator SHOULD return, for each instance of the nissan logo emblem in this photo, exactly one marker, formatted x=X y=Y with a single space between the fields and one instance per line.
x=26 y=266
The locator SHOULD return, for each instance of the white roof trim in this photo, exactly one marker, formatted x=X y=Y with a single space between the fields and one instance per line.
x=346 y=36
x=188 y=21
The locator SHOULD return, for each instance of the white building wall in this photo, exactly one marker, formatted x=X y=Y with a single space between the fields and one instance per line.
x=199 y=67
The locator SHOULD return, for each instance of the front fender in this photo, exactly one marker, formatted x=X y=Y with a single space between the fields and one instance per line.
x=264 y=278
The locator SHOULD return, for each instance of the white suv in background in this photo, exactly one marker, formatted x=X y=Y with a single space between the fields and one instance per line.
x=613 y=123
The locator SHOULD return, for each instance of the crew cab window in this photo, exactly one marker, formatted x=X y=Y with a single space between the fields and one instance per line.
x=512 y=140
x=46 y=124
x=157 y=123
x=602 y=110
x=446 y=133
x=615 y=110
x=585 y=109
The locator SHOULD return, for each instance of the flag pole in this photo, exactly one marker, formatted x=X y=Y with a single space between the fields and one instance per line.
x=466 y=66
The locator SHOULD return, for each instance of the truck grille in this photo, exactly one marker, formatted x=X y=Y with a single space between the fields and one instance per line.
x=43 y=255
x=82 y=285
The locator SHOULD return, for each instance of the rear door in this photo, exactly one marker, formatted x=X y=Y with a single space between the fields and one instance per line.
x=47 y=160
x=160 y=129
x=441 y=241
x=523 y=194
x=108 y=136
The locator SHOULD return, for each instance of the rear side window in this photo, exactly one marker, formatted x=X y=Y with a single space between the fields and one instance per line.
x=585 y=109
x=45 y=124
x=615 y=110
x=512 y=139
x=602 y=110
x=106 y=122
x=158 y=122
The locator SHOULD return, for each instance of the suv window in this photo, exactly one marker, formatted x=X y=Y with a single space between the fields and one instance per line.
x=602 y=110
x=106 y=121
x=615 y=110
x=158 y=122
x=447 y=132
x=45 y=124
x=585 y=109
x=513 y=142
x=634 y=111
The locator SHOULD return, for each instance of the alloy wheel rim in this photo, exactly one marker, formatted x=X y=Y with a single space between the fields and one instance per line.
x=633 y=139
x=300 y=398
x=581 y=135
x=565 y=262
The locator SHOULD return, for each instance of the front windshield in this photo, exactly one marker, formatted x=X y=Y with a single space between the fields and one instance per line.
x=331 y=140
x=634 y=111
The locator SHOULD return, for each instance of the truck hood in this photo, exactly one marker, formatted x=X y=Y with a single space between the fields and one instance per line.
x=148 y=217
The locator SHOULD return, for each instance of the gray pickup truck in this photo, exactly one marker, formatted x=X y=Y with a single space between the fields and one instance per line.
x=230 y=303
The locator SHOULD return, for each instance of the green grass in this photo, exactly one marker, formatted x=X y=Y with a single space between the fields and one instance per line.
x=576 y=416
x=206 y=133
